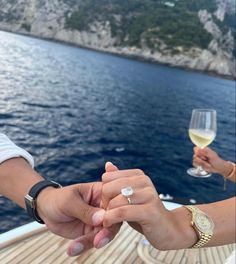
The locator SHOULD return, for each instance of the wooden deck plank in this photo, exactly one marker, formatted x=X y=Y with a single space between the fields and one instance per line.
x=161 y=256
x=59 y=252
x=15 y=246
x=216 y=256
x=127 y=244
x=32 y=252
x=40 y=252
x=132 y=257
x=113 y=250
x=179 y=255
x=52 y=252
x=9 y=250
x=170 y=256
x=210 y=258
x=137 y=261
x=126 y=248
x=227 y=251
x=23 y=236
x=23 y=246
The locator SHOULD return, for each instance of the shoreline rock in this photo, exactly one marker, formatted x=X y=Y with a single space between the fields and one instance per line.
x=47 y=20
x=125 y=53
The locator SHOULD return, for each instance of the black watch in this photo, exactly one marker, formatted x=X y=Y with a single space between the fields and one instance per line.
x=30 y=198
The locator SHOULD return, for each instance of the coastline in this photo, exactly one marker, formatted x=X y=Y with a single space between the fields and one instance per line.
x=123 y=55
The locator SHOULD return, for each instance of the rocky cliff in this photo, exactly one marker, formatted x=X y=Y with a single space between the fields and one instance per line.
x=210 y=46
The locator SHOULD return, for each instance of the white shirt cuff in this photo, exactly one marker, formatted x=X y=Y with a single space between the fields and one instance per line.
x=10 y=150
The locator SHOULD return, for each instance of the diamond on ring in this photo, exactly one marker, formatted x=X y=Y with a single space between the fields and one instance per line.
x=127 y=191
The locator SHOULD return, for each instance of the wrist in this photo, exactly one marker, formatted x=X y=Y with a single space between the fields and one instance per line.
x=36 y=200
x=42 y=200
x=184 y=235
x=226 y=169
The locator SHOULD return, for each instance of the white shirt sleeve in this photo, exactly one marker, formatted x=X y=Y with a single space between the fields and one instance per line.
x=9 y=150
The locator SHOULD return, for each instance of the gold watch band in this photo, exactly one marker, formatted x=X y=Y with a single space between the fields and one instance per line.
x=202 y=241
x=203 y=237
x=194 y=209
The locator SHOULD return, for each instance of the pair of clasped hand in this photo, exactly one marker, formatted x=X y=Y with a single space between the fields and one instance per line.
x=92 y=213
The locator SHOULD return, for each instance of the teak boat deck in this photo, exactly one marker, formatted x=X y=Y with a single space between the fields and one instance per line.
x=129 y=247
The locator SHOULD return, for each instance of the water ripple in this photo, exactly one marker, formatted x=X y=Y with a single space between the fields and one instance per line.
x=75 y=109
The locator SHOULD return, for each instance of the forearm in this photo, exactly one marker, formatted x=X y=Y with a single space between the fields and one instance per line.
x=16 y=178
x=223 y=216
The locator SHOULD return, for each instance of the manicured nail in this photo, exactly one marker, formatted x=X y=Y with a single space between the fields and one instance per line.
x=98 y=217
x=77 y=249
x=108 y=163
x=103 y=242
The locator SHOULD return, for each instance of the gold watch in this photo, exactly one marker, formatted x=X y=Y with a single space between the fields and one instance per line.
x=202 y=224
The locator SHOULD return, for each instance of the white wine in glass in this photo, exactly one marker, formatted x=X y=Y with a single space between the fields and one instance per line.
x=202 y=131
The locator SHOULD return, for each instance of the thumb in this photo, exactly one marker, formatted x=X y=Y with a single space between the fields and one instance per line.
x=86 y=213
x=109 y=167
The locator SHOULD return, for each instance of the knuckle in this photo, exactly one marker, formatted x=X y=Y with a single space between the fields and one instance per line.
x=104 y=176
x=138 y=172
x=145 y=180
x=111 y=205
x=121 y=213
x=151 y=193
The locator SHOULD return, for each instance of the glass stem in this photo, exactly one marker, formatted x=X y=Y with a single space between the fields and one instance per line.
x=199 y=169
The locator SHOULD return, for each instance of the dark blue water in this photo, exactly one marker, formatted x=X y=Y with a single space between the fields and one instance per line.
x=75 y=109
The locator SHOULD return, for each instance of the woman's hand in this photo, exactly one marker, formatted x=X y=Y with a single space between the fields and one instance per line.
x=146 y=213
x=211 y=162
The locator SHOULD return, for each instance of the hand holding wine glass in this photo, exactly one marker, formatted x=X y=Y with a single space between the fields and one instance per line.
x=202 y=131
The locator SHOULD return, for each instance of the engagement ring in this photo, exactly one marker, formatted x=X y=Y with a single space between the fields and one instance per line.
x=127 y=192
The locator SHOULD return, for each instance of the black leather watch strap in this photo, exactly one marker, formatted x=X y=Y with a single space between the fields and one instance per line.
x=30 y=198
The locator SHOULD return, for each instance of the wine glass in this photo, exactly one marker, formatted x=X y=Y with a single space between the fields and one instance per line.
x=202 y=131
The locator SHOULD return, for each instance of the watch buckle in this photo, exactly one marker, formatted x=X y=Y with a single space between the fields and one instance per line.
x=31 y=201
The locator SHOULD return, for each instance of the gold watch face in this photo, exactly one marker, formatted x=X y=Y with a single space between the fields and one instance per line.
x=204 y=223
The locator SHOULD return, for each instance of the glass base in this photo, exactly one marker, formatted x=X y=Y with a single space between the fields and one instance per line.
x=198 y=173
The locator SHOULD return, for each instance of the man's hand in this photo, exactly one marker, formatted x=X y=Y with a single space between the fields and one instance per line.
x=71 y=212
x=74 y=212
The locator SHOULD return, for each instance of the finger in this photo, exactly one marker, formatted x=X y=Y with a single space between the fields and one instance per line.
x=199 y=151
x=106 y=235
x=129 y=213
x=81 y=210
x=200 y=157
x=112 y=189
x=110 y=176
x=205 y=152
x=195 y=150
x=109 y=167
x=81 y=244
x=199 y=162
x=139 y=197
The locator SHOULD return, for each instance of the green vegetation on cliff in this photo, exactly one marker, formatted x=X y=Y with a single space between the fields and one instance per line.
x=136 y=21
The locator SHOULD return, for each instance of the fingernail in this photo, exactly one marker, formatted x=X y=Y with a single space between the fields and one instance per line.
x=103 y=242
x=108 y=163
x=98 y=217
x=77 y=249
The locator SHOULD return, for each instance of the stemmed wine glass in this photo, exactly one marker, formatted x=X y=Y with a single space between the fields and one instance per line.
x=202 y=131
